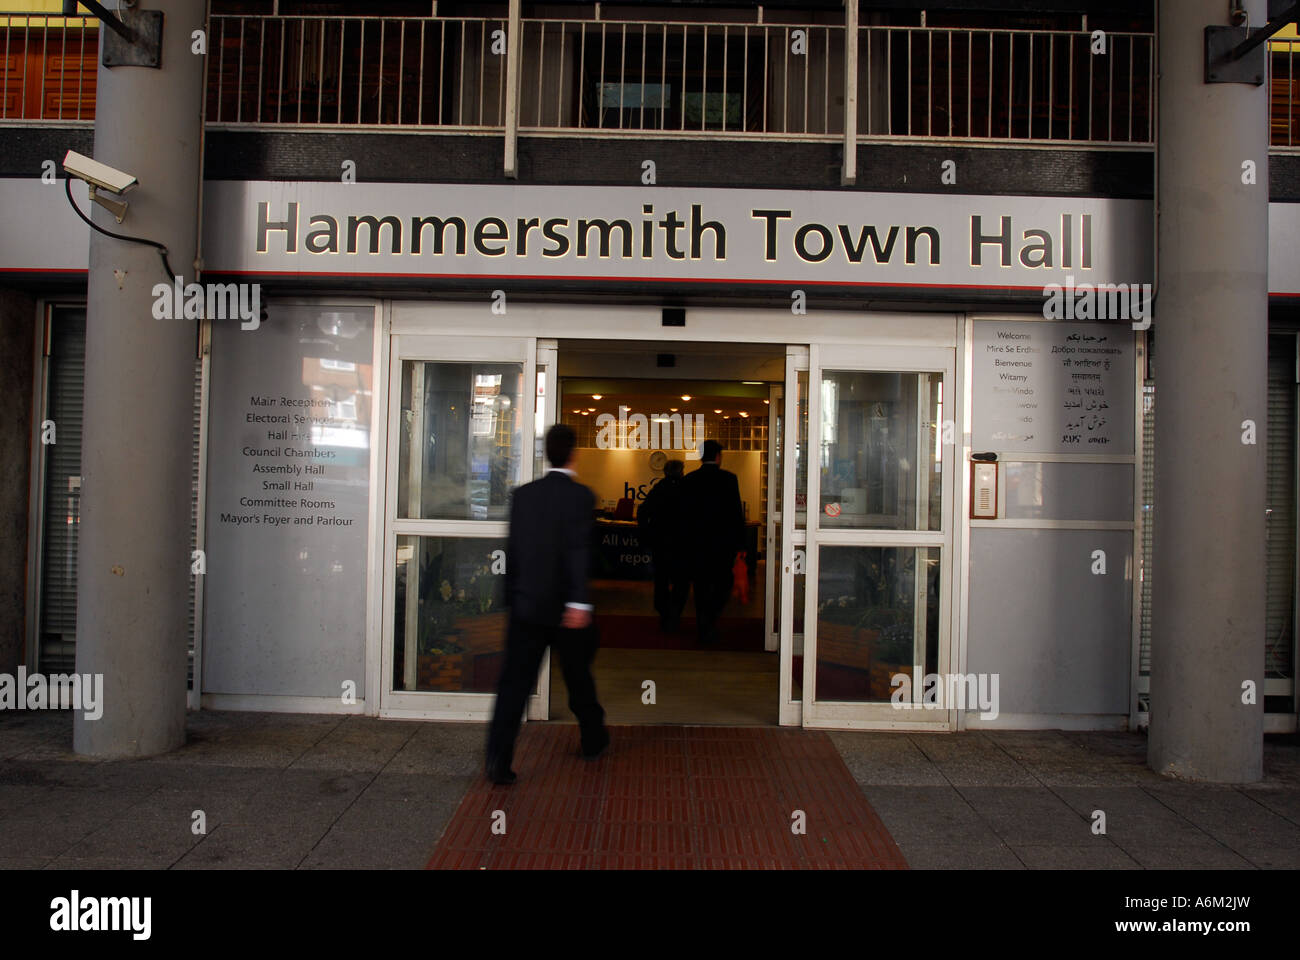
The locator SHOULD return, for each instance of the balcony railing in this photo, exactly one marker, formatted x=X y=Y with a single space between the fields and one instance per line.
x=49 y=67
x=641 y=77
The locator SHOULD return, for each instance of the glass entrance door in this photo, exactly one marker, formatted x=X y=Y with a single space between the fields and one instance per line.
x=463 y=419
x=879 y=536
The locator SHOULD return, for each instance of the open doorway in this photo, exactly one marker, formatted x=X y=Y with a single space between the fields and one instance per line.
x=641 y=412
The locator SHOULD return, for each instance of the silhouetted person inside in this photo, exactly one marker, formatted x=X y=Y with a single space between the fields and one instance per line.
x=664 y=526
x=548 y=557
x=717 y=535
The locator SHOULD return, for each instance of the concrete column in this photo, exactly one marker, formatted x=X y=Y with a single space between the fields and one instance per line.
x=1210 y=354
x=133 y=566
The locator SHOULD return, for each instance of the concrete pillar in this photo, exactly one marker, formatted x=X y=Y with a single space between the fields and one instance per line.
x=133 y=567
x=1210 y=354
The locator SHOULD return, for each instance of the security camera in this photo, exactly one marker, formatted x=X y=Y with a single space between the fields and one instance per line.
x=100 y=176
x=97 y=174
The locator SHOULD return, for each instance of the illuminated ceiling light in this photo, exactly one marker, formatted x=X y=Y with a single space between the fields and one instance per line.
x=577 y=411
x=744 y=413
x=672 y=409
x=767 y=401
x=596 y=396
x=660 y=420
x=752 y=383
x=593 y=409
x=586 y=413
x=717 y=411
x=727 y=417
x=686 y=397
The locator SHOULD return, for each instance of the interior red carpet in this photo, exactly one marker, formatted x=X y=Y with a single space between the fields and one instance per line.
x=670 y=798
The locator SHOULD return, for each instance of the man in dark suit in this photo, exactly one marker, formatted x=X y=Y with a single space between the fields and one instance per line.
x=718 y=529
x=663 y=523
x=548 y=556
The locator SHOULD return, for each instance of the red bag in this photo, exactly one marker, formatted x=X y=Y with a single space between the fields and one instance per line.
x=740 y=579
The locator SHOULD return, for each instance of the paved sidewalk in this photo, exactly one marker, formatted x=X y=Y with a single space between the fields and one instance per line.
x=307 y=791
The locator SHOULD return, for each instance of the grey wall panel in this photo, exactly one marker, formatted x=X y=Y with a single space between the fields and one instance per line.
x=287 y=503
x=1058 y=635
x=1067 y=491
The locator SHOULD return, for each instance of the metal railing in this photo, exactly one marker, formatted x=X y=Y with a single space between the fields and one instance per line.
x=663 y=77
x=49 y=66
x=684 y=78
x=1026 y=85
x=1284 y=96
x=357 y=71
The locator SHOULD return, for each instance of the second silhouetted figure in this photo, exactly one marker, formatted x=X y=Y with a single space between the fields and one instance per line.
x=717 y=526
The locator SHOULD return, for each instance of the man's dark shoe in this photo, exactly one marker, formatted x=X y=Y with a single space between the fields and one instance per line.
x=501 y=776
x=595 y=750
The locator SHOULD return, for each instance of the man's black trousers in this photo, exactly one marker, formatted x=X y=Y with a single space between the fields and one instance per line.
x=713 y=582
x=526 y=643
x=672 y=586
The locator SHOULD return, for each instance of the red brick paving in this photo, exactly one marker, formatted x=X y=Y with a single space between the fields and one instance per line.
x=670 y=798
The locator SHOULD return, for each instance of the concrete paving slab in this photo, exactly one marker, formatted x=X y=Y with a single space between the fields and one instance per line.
x=1268 y=857
x=418 y=787
x=1028 y=816
x=886 y=758
x=347 y=755
x=948 y=856
x=28 y=838
x=297 y=795
x=408 y=817
x=177 y=807
x=1211 y=856
x=423 y=756
x=975 y=760
x=1284 y=801
x=254 y=845
x=929 y=816
x=370 y=850
x=1229 y=815
x=157 y=842
x=1103 y=856
x=68 y=863
x=1133 y=815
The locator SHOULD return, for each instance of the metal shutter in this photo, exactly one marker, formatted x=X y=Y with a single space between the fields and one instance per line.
x=66 y=394
x=1148 y=503
x=194 y=514
x=1280 y=503
x=65 y=388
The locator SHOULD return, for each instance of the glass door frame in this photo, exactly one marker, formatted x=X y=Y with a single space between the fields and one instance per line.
x=900 y=359
x=794 y=537
x=438 y=348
